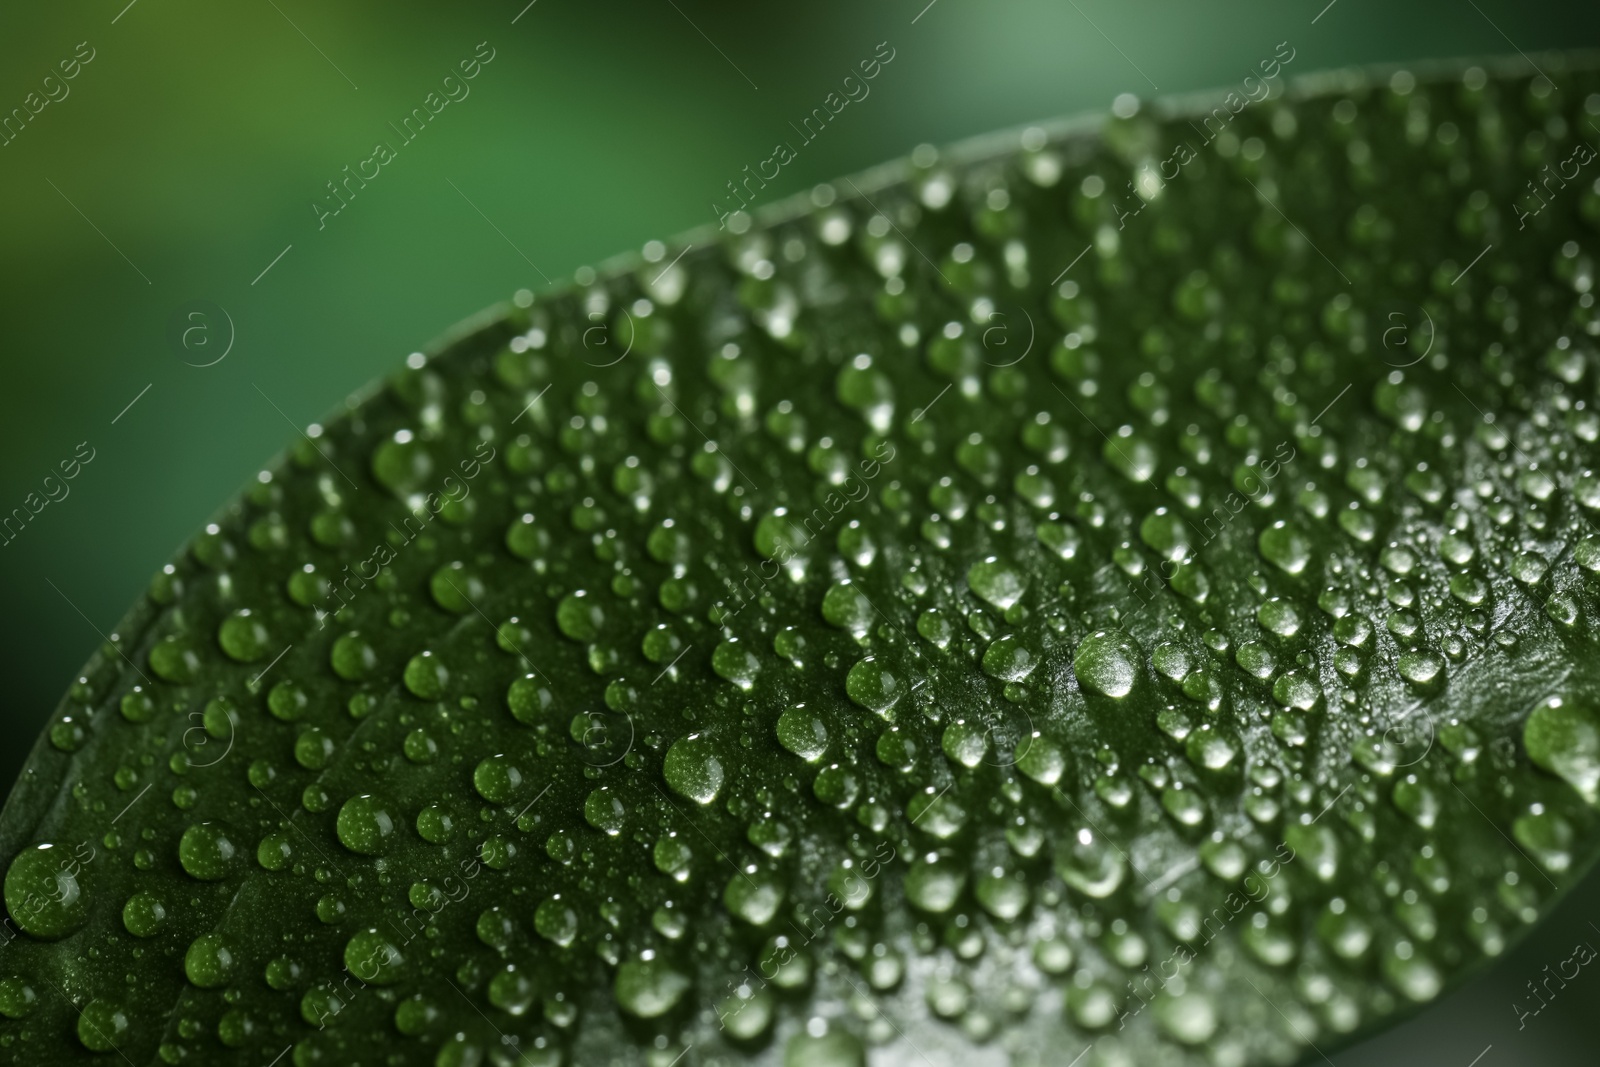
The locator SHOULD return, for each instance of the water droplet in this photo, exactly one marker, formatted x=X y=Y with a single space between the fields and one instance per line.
x=210 y=961
x=43 y=893
x=497 y=779
x=603 y=810
x=934 y=883
x=454 y=588
x=402 y=463
x=803 y=733
x=426 y=676
x=1560 y=736
x=1411 y=974
x=17 y=998
x=873 y=686
x=754 y=895
x=364 y=825
x=1107 y=661
x=1285 y=546
x=580 y=617
x=693 y=770
x=206 y=852
x=1003 y=894
x=244 y=637
x=556 y=921
x=649 y=988
x=736 y=663
x=1188 y=1017
x=824 y=1048
x=1130 y=455
x=1296 y=689
x=844 y=606
x=1009 y=660
x=997 y=581
x=353 y=657
x=747 y=1013
x=435 y=825
x=143 y=914
x=1421 y=667
x=1165 y=533
x=1091 y=865
x=1041 y=760
x=1343 y=931
x=102 y=1025
x=530 y=700
x=1279 y=617
x=372 y=958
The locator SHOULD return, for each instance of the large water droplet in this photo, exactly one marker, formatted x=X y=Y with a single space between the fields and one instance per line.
x=364 y=825
x=1107 y=662
x=649 y=988
x=824 y=1048
x=206 y=852
x=371 y=957
x=1189 y=1017
x=1091 y=865
x=210 y=961
x=579 y=616
x=43 y=893
x=243 y=637
x=1560 y=736
x=873 y=685
x=803 y=732
x=1285 y=546
x=498 y=779
x=556 y=921
x=693 y=770
x=934 y=883
x=143 y=914
x=998 y=581
x=102 y=1025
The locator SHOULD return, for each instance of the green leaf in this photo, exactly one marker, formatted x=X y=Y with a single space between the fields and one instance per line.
x=1124 y=590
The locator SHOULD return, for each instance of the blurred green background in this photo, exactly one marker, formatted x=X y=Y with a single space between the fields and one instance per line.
x=189 y=150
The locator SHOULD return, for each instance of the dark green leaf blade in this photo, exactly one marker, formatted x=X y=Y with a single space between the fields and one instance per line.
x=1127 y=591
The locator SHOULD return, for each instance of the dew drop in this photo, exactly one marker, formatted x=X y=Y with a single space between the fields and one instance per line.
x=998 y=581
x=693 y=770
x=364 y=825
x=206 y=852
x=243 y=637
x=497 y=779
x=372 y=958
x=649 y=988
x=803 y=732
x=873 y=686
x=43 y=893
x=143 y=914
x=209 y=963
x=1286 y=547
x=102 y=1025
x=1560 y=736
x=1107 y=661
